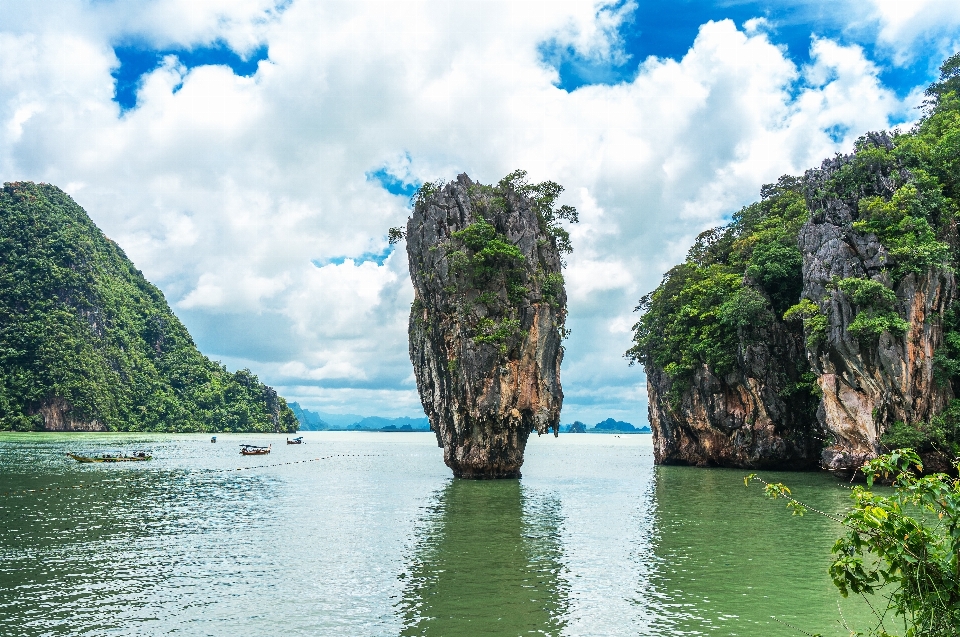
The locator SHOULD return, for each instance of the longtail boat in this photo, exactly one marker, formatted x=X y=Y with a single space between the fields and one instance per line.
x=140 y=456
x=254 y=450
x=296 y=441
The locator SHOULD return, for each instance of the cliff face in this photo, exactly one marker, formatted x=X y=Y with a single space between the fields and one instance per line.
x=863 y=251
x=869 y=380
x=727 y=378
x=57 y=415
x=748 y=417
x=88 y=344
x=485 y=325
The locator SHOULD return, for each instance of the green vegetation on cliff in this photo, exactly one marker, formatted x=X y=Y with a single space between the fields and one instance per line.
x=87 y=342
x=490 y=278
x=904 y=189
x=736 y=279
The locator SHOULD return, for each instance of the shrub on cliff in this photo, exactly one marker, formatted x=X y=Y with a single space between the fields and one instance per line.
x=83 y=336
x=489 y=280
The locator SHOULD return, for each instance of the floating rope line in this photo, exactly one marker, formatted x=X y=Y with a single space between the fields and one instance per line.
x=280 y=464
x=114 y=480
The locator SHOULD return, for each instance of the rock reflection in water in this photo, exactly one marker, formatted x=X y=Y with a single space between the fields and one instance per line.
x=728 y=561
x=489 y=562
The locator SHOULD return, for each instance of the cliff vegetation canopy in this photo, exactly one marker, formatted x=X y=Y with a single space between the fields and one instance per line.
x=736 y=278
x=85 y=337
x=904 y=188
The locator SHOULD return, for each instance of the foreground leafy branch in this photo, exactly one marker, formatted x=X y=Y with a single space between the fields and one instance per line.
x=905 y=546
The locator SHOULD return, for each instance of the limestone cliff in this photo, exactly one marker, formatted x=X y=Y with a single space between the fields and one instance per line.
x=862 y=252
x=487 y=319
x=870 y=379
x=752 y=416
x=727 y=378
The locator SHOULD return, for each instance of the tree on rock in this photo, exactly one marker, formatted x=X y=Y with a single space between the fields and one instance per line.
x=488 y=316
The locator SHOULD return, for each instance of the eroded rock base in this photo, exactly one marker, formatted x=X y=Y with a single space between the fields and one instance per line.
x=485 y=457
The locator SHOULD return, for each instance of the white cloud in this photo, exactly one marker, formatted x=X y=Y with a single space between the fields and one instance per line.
x=588 y=275
x=593 y=31
x=754 y=26
x=904 y=23
x=226 y=191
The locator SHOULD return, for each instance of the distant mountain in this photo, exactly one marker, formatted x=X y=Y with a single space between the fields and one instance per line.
x=397 y=424
x=395 y=428
x=611 y=425
x=608 y=426
x=309 y=420
x=319 y=420
x=340 y=421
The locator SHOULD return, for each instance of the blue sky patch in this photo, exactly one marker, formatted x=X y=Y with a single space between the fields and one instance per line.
x=136 y=61
x=377 y=257
x=668 y=29
x=837 y=132
x=393 y=184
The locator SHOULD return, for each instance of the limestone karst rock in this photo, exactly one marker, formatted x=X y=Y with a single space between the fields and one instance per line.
x=727 y=377
x=863 y=253
x=487 y=318
x=745 y=417
x=862 y=250
x=868 y=384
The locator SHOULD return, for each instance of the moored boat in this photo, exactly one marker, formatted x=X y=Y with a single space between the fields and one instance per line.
x=254 y=450
x=296 y=441
x=140 y=456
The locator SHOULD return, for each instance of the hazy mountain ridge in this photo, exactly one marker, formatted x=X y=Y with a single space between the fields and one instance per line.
x=319 y=421
x=608 y=426
x=322 y=421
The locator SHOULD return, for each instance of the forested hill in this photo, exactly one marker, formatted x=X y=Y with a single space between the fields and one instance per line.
x=86 y=343
x=820 y=326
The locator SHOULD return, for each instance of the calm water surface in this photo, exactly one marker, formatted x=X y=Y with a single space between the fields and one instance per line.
x=376 y=538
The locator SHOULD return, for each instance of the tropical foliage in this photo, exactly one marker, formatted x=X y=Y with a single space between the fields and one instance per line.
x=735 y=280
x=902 y=547
x=80 y=328
x=939 y=435
x=876 y=308
x=903 y=188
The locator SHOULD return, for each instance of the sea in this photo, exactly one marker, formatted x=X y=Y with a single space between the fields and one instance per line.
x=368 y=534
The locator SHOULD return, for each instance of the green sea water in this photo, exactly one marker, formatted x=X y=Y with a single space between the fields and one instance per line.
x=367 y=534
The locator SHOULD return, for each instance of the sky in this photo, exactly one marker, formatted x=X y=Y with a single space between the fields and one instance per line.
x=250 y=155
